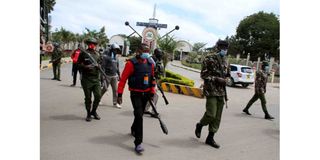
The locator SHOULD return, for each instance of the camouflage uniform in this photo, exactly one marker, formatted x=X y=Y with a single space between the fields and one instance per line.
x=90 y=81
x=158 y=72
x=213 y=66
x=56 y=62
x=260 y=90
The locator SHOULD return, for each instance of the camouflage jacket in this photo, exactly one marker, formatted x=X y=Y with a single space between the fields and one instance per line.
x=85 y=60
x=260 y=82
x=56 y=55
x=158 y=72
x=213 y=66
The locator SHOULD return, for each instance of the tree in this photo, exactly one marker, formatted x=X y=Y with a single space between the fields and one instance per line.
x=167 y=45
x=100 y=36
x=234 y=46
x=49 y=4
x=259 y=34
x=134 y=43
x=63 y=36
x=198 y=46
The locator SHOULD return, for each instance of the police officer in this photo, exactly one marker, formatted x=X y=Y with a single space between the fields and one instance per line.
x=90 y=79
x=110 y=64
x=260 y=90
x=140 y=72
x=157 y=57
x=213 y=72
x=56 y=61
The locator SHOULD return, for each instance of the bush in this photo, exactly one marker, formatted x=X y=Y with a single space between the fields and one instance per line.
x=177 y=79
x=192 y=65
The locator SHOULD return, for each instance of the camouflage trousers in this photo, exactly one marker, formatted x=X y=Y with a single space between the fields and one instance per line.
x=212 y=116
x=56 y=70
x=262 y=98
x=90 y=87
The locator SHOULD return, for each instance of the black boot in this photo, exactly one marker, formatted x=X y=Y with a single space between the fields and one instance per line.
x=94 y=112
x=89 y=118
x=246 y=111
x=198 y=130
x=132 y=132
x=95 y=115
x=267 y=116
x=210 y=141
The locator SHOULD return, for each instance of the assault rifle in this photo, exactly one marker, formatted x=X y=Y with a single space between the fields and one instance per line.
x=163 y=96
x=162 y=125
x=93 y=61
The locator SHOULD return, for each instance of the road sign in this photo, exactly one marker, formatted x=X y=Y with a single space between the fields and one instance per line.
x=154 y=25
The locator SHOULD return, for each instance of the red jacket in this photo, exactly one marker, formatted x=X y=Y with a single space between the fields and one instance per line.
x=75 y=55
x=127 y=72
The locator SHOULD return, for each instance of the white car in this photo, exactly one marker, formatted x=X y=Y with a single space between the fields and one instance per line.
x=240 y=74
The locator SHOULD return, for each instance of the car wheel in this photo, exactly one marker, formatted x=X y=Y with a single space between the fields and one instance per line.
x=230 y=82
x=245 y=85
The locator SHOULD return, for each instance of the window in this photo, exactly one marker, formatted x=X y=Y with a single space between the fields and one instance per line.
x=233 y=68
x=246 y=70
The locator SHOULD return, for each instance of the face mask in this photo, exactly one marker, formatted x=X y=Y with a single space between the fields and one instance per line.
x=223 y=53
x=144 y=55
x=266 y=68
x=91 y=46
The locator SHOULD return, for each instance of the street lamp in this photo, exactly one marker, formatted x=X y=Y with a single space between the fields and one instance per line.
x=175 y=28
x=134 y=31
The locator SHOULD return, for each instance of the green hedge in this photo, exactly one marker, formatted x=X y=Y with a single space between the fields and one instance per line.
x=192 y=65
x=175 y=78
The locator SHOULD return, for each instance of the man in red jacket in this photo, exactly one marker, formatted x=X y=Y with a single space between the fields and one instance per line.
x=140 y=73
x=74 y=57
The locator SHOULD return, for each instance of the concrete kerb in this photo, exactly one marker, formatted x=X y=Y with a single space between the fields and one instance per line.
x=182 y=89
x=49 y=65
x=187 y=68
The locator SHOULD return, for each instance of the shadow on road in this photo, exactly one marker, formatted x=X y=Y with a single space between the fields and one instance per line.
x=116 y=139
x=274 y=133
x=192 y=142
x=67 y=85
x=248 y=116
x=239 y=87
x=67 y=117
x=46 y=78
x=127 y=113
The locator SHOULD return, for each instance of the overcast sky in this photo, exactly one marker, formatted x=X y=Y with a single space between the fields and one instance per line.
x=199 y=20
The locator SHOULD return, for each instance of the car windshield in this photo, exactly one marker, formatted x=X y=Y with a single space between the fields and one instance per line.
x=246 y=70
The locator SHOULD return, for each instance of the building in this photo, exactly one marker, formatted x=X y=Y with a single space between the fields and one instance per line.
x=122 y=42
x=44 y=22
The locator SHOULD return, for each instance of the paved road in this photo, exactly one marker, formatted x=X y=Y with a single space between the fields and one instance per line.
x=189 y=74
x=65 y=135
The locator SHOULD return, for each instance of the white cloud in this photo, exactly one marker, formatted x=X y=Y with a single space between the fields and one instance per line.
x=215 y=19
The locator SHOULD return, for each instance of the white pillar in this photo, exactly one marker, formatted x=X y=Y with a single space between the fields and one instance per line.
x=258 y=63
x=238 y=57
x=248 y=58
x=271 y=63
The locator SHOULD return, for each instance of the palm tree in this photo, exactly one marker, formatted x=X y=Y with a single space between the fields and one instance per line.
x=100 y=36
x=49 y=4
x=63 y=36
